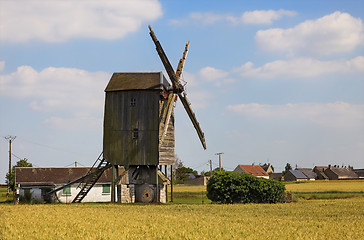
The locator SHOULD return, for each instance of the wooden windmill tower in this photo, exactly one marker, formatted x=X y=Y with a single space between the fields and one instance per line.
x=139 y=131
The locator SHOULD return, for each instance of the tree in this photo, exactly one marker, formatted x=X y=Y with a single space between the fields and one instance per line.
x=183 y=173
x=10 y=178
x=287 y=168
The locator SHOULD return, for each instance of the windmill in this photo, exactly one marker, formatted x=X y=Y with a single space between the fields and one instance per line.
x=139 y=132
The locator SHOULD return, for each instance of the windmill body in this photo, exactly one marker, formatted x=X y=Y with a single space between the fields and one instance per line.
x=133 y=122
x=135 y=106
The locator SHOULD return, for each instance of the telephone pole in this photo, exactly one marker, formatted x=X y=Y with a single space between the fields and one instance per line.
x=220 y=153
x=210 y=168
x=10 y=139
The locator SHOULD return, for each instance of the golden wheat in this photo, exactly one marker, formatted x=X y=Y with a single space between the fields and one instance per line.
x=329 y=219
x=324 y=186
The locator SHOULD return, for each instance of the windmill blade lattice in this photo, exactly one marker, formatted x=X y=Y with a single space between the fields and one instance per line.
x=177 y=86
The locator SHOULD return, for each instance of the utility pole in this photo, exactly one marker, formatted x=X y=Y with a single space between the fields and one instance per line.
x=210 y=168
x=10 y=139
x=220 y=153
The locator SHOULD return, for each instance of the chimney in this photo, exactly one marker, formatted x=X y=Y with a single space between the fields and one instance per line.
x=329 y=166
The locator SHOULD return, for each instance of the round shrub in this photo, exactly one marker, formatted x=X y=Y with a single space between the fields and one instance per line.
x=233 y=187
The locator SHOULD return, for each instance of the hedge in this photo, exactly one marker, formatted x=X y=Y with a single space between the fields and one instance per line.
x=233 y=187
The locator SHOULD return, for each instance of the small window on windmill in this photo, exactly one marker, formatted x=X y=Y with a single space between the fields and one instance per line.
x=132 y=102
x=135 y=133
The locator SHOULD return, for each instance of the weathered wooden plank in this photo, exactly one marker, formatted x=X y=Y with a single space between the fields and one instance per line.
x=131 y=131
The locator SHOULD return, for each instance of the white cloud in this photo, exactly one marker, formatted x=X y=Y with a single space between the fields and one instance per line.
x=337 y=114
x=265 y=16
x=248 y=17
x=199 y=99
x=212 y=74
x=334 y=33
x=64 y=91
x=76 y=123
x=301 y=68
x=59 y=21
x=205 y=18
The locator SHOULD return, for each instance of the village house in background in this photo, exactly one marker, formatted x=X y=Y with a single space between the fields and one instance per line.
x=295 y=175
x=359 y=172
x=267 y=168
x=311 y=175
x=254 y=170
x=197 y=181
x=321 y=173
x=339 y=173
x=34 y=183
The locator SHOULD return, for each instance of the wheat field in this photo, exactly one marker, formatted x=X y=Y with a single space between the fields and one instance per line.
x=326 y=186
x=305 y=219
x=315 y=219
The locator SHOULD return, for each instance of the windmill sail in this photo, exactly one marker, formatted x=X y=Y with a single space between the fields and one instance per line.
x=192 y=116
x=165 y=61
x=177 y=87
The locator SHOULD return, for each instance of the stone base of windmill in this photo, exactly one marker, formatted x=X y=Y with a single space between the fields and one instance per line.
x=139 y=184
x=143 y=193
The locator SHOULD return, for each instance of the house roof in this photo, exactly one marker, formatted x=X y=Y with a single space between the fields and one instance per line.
x=359 y=172
x=255 y=170
x=298 y=174
x=309 y=174
x=51 y=175
x=323 y=167
x=137 y=81
x=267 y=167
x=343 y=172
x=276 y=176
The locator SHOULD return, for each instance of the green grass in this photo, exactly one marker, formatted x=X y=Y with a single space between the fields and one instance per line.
x=3 y=198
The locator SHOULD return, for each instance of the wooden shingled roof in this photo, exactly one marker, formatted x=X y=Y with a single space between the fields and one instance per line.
x=137 y=81
x=32 y=176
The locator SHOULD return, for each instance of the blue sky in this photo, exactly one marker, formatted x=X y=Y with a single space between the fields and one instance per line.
x=270 y=81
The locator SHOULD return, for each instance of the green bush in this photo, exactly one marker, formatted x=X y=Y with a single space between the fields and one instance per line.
x=233 y=187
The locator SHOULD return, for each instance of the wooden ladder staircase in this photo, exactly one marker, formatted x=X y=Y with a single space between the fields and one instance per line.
x=93 y=175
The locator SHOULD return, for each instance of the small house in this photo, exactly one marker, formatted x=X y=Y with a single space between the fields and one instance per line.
x=359 y=172
x=340 y=173
x=320 y=172
x=308 y=172
x=197 y=181
x=295 y=175
x=254 y=170
x=34 y=182
x=268 y=168
x=276 y=176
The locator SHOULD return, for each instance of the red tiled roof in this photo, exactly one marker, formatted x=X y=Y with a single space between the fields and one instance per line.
x=255 y=170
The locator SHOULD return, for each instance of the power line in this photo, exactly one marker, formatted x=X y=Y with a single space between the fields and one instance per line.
x=50 y=147
x=17 y=156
